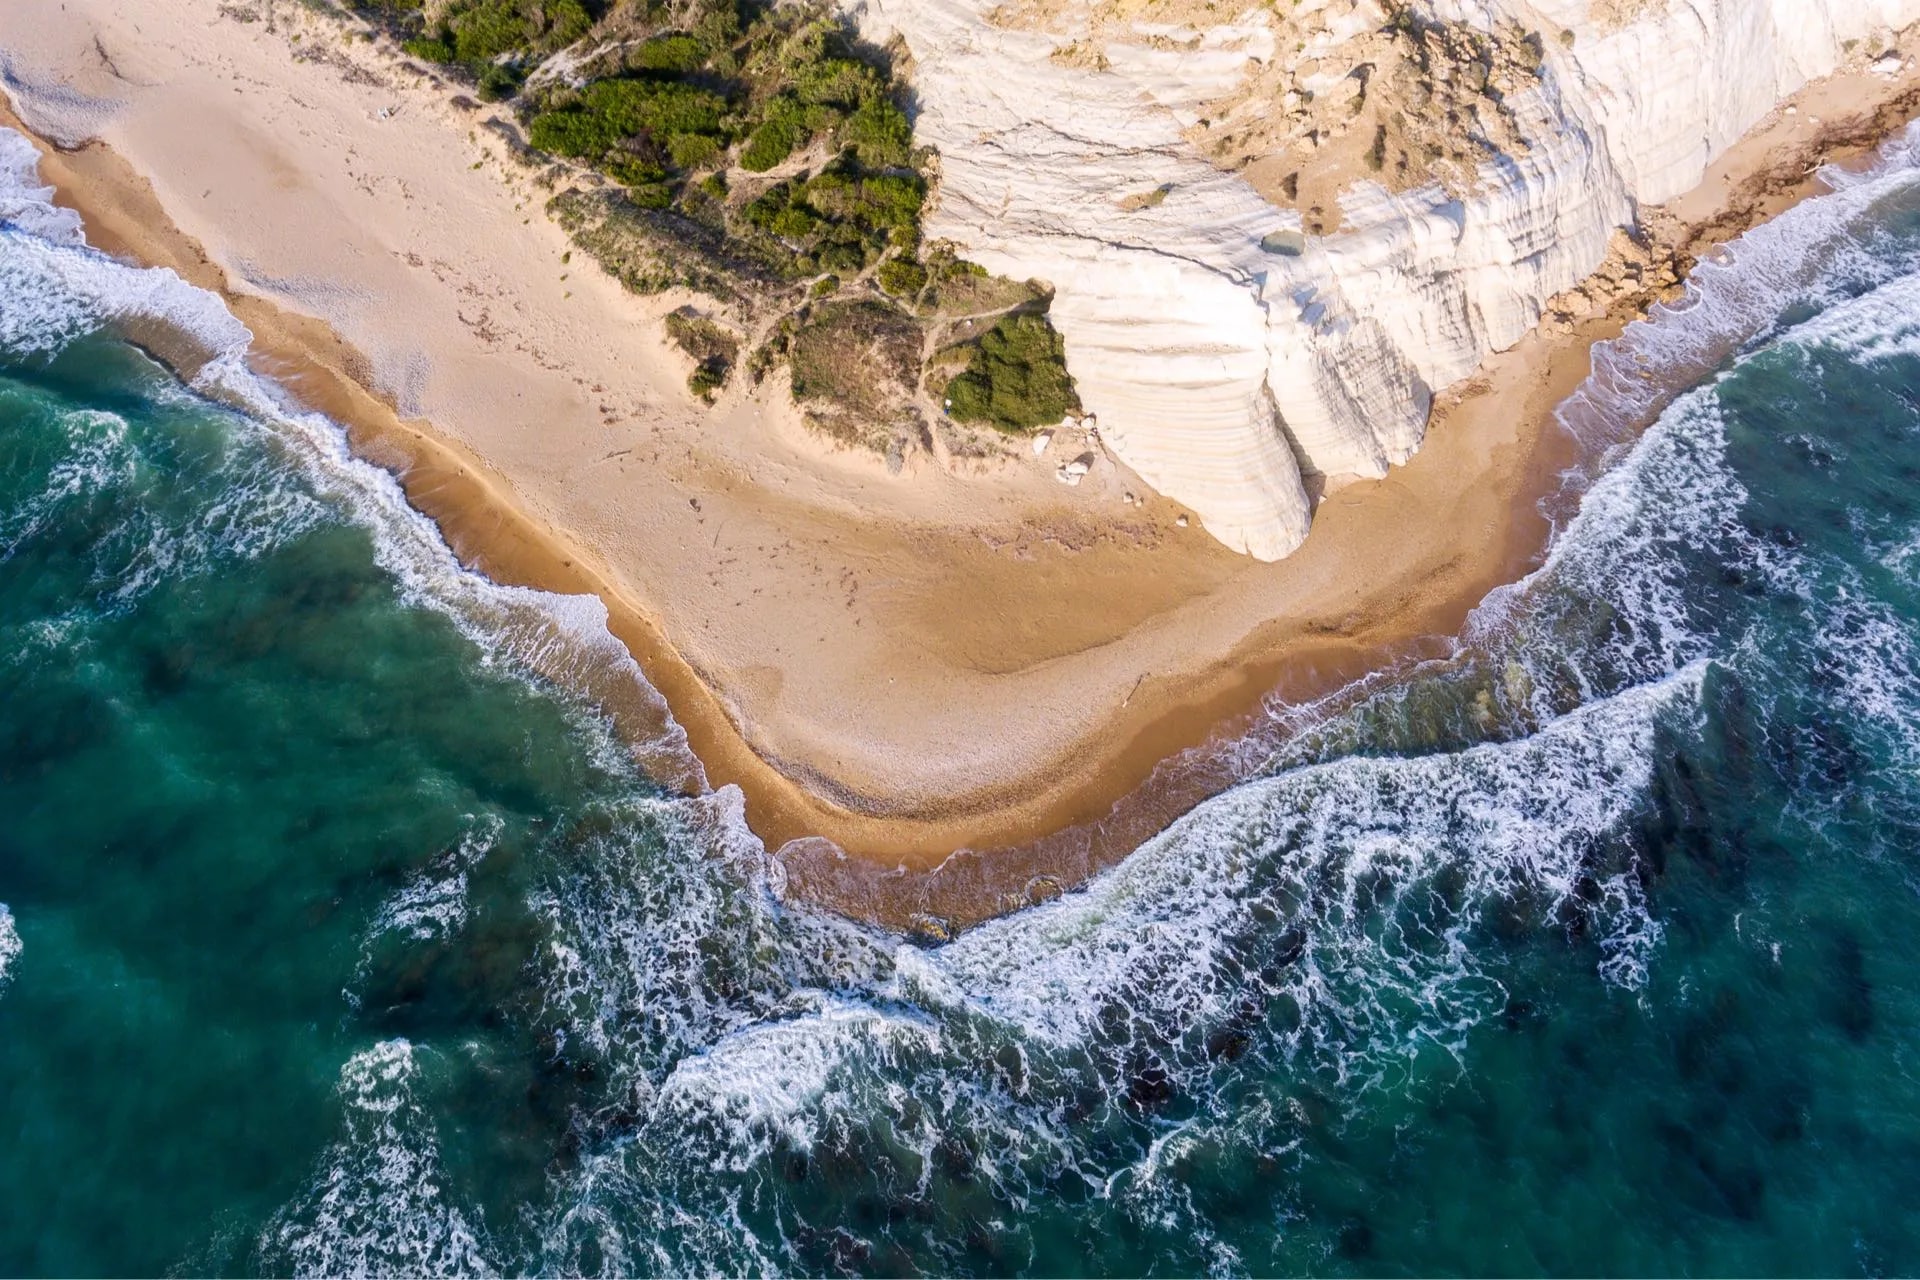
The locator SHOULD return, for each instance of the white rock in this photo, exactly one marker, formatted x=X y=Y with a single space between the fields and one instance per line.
x=1040 y=443
x=1072 y=473
x=1887 y=64
x=1218 y=370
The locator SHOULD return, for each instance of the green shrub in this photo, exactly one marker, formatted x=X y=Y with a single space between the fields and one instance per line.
x=675 y=53
x=854 y=365
x=1017 y=377
x=841 y=255
x=879 y=202
x=498 y=83
x=578 y=134
x=902 y=277
x=477 y=34
x=630 y=170
x=666 y=108
x=610 y=110
x=718 y=28
x=879 y=133
x=1377 y=153
x=715 y=349
x=782 y=129
x=705 y=380
x=651 y=195
x=429 y=49
x=489 y=29
x=693 y=150
x=567 y=21
x=842 y=82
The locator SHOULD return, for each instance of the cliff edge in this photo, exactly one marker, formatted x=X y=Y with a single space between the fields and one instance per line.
x=1272 y=239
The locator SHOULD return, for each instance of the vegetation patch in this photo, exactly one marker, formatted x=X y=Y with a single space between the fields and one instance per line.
x=962 y=288
x=1016 y=378
x=757 y=154
x=714 y=349
x=1146 y=199
x=902 y=277
x=855 y=366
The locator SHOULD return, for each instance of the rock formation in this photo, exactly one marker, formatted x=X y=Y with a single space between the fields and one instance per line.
x=1273 y=237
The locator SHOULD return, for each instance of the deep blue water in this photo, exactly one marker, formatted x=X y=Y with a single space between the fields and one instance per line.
x=345 y=929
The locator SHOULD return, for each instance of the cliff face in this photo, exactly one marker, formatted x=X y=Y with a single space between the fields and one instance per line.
x=1273 y=238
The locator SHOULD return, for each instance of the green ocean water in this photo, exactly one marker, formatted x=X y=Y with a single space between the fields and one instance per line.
x=344 y=933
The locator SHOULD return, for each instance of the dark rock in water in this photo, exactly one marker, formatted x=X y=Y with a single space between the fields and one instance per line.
x=1852 y=1006
x=164 y=670
x=929 y=931
x=566 y=1152
x=1227 y=1044
x=1784 y=1111
x=31 y=743
x=1706 y=1175
x=1043 y=889
x=954 y=1158
x=1010 y=1066
x=1356 y=1239
x=1114 y=1023
x=1742 y=1190
x=1149 y=1085
x=1519 y=1013
x=1290 y=947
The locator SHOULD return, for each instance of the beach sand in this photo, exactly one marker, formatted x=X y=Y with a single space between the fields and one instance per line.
x=903 y=665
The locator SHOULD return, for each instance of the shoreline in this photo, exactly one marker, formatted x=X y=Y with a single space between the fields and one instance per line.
x=1492 y=455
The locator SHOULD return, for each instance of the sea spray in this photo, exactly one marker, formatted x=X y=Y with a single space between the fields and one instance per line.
x=54 y=290
x=10 y=945
x=1816 y=253
x=1585 y=948
x=376 y=1203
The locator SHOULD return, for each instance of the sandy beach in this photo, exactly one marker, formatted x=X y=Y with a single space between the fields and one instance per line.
x=903 y=665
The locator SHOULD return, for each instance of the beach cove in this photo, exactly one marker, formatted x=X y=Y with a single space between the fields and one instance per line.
x=904 y=666
x=360 y=914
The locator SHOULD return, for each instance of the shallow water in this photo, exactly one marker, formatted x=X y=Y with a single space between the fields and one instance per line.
x=343 y=932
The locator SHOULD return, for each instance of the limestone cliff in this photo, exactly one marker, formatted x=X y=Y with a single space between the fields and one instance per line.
x=1273 y=237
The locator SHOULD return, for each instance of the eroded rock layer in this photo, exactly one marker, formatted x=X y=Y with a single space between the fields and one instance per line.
x=1273 y=238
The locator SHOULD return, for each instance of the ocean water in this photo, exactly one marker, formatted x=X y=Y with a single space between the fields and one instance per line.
x=343 y=932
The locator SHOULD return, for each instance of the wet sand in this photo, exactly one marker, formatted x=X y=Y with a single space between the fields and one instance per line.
x=1026 y=676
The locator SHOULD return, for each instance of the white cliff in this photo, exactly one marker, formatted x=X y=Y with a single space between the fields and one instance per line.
x=1224 y=346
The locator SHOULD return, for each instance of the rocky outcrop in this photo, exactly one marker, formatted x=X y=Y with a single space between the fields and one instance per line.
x=1453 y=164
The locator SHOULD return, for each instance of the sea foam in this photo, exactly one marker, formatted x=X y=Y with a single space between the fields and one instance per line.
x=55 y=290
x=10 y=945
x=376 y=1204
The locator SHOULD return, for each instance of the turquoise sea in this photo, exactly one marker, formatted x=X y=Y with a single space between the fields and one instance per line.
x=343 y=933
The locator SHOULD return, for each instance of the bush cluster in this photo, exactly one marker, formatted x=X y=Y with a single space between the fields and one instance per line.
x=713 y=88
x=766 y=84
x=753 y=143
x=713 y=348
x=494 y=41
x=1016 y=379
x=842 y=220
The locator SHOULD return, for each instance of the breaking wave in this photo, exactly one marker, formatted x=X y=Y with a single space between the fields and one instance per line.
x=55 y=291
x=376 y=1204
x=739 y=1084
x=10 y=945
